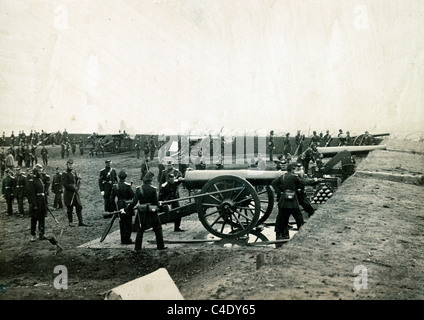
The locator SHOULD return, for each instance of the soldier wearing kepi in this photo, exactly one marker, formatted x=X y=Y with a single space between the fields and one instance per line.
x=107 y=179
x=37 y=203
x=171 y=190
x=7 y=190
x=123 y=191
x=57 y=189
x=20 y=189
x=71 y=197
x=146 y=194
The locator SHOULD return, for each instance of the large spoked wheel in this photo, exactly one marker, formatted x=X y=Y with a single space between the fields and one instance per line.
x=266 y=197
x=359 y=140
x=230 y=207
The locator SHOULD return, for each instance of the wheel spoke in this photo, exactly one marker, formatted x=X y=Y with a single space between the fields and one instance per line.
x=244 y=215
x=211 y=213
x=239 y=222
x=241 y=191
x=219 y=191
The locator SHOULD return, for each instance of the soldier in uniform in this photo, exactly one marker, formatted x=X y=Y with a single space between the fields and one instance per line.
x=299 y=142
x=286 y=187
x=9 y=161
x=327 y=138
x=152 y=148
x=146 y=194
x=368 y=139
x=123 y=191
x=271 y=145
x=177 y=176
x=33 y=155
x=107 y=178
x=7 y=190
x=307 y=156
x=137 y=147
x=57 y=189
x=71 y=197
x=45 y=178
x=20 y=189
x=37 y=203
x=2 y=162
x=146 y=148
x=12 y=139
x=287 y=145
x=303 y=199
x=144 y=168
x=62 y=150
x=27 y=156
x=169 y=191
x=44 y=155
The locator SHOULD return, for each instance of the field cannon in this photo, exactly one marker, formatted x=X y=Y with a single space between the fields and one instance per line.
x=229 y=203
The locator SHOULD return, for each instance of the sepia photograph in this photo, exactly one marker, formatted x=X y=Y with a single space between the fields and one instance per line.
x=212 y=154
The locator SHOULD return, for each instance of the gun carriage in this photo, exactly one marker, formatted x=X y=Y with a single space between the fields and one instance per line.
x=229 y=203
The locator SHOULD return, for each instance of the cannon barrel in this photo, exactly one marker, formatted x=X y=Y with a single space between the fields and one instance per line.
x=352 y=149
x=196 y=179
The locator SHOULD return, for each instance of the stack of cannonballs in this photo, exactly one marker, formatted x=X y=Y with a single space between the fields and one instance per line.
x=322 y=193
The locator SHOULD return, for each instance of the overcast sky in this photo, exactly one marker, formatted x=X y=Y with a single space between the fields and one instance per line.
x=153 y=66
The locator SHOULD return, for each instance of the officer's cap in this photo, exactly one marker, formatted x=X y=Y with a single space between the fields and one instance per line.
x=108 y=161
x=122 y=174
x=149 y=176
x=70 y=161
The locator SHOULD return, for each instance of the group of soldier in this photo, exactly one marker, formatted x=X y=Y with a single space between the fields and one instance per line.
x=34 y=186
x=120 y=198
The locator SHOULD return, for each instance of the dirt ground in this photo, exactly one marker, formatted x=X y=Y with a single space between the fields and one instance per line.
x=365 y=243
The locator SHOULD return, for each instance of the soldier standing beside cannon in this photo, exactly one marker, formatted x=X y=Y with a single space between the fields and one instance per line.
x=286 y=187
x=147 y=195
x=169 y=188
x=107 y=179
x=123 y=191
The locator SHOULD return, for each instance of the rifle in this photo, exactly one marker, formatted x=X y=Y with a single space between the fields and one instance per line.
x=52 y=214
x=106 y=215
x=114 y=215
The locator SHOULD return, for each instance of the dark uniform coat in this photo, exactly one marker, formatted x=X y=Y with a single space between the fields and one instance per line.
x=7 y=190
x=36 y=200
x=70 y=183
x=123 y=191
x=286 y=207
x=107 y=178
x=146 y=194
x=20 y=187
